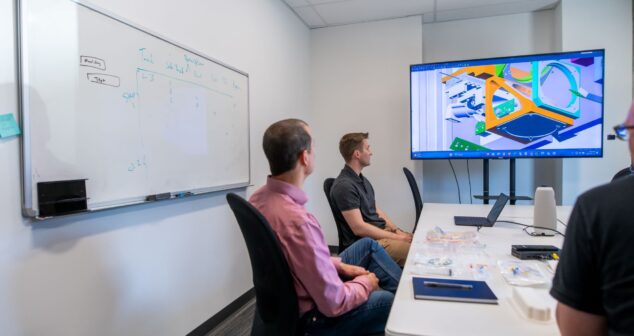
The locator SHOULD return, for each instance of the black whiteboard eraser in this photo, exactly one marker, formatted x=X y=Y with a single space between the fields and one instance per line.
x=158 y=197
x=56 y=198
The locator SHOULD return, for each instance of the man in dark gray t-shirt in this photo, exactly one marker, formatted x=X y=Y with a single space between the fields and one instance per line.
x=353 y=195
x=594 y=282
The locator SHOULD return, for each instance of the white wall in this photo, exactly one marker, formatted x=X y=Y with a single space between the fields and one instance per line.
x=506 y=35
x=159 y=269
x=360 y=83
x=588 y=24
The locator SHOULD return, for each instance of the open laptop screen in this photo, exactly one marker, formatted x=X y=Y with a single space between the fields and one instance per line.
x=497 y=209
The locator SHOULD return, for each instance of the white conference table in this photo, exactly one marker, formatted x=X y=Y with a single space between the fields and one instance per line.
x=425 y=317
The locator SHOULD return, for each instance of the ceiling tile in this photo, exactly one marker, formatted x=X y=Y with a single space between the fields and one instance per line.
x=310 y=17
x=353 y=11
x=494 y=9
x=297 y=3
x=322 y=13
x=442 y=5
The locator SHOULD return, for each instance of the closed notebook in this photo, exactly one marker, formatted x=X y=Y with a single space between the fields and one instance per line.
x=453 y=290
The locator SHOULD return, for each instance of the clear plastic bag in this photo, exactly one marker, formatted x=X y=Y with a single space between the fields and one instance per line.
x=453 y=254
x=520 y=273
x=438 y=235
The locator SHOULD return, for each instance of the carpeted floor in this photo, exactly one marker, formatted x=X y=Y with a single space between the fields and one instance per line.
x=238 y=324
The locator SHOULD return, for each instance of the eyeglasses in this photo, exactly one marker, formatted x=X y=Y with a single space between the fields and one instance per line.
x=622 y=132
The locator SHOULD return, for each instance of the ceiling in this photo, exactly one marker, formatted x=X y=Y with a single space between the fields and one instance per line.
x=326 y=13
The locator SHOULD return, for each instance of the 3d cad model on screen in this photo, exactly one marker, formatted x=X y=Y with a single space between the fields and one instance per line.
x=523 y=106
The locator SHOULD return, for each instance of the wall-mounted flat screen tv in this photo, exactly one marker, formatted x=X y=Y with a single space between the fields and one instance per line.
x=534 y=106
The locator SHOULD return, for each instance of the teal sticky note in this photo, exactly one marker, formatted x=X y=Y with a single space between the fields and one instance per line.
x=8 y=126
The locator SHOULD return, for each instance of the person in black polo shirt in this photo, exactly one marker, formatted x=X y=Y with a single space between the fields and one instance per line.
x=354 y=197
x=594 y=282
x=624 y=172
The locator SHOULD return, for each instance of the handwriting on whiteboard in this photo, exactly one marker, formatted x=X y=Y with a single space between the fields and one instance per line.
x=193 y=60
x=146 y=56
x=104 y=79
x=137 y=164
x=93 y=62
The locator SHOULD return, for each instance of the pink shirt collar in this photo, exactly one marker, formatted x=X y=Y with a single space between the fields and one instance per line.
x=295 y=193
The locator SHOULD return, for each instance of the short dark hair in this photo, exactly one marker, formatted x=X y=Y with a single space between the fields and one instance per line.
x=351 y=142
x=283 y=142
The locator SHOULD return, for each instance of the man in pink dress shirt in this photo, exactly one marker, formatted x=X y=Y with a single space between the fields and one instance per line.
x=348 y=295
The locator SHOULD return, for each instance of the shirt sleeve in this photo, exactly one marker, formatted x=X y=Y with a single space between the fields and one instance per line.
x=577 y=280
x=345 y=197
x=336 y=261
x=312 y=265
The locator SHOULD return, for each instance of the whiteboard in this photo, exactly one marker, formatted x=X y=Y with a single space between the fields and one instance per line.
x=132 y=112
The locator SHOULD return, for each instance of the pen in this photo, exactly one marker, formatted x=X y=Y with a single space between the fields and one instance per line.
x=446 y=285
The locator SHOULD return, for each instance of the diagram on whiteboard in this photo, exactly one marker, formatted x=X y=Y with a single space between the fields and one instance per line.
x=130 y=112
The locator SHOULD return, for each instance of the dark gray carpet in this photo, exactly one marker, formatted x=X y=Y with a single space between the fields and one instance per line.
x=238 y=324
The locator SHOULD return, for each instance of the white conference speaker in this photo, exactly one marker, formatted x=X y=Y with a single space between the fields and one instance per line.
x=545 y=211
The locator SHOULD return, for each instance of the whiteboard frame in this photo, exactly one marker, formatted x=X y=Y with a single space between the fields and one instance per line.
x=28 y=209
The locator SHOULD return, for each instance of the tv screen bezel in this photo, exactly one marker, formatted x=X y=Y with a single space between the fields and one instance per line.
x=493 y=61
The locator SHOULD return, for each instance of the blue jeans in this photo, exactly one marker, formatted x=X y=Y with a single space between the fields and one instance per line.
x=371 y=316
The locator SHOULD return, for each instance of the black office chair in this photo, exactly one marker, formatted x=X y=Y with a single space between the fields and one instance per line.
x=277 y=311
x=418 y=202
x=340 y=222
x=622 y=173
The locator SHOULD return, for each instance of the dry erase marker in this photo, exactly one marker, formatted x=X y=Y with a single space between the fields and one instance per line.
x=446 y=285
x=158 y=197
